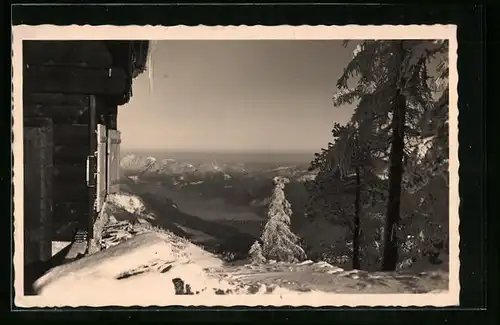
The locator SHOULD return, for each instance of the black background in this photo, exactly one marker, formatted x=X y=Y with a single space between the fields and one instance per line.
x=479 y=265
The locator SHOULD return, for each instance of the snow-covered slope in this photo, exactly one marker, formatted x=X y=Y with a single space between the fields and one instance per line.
x=144 y=265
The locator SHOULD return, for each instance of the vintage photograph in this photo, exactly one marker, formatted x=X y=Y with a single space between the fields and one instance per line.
x=214 y=167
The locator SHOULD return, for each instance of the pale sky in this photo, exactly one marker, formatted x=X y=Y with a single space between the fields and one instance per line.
x=240 y=96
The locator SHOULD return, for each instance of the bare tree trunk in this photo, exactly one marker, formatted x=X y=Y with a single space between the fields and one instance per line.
x=355 y=239
x=390 y=257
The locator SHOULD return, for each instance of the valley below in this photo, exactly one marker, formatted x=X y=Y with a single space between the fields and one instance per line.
x=185 y=232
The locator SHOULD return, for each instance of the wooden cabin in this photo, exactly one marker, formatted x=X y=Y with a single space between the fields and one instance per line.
x=71 y=94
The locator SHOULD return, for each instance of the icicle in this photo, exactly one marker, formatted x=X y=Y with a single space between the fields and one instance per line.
x=152 y=45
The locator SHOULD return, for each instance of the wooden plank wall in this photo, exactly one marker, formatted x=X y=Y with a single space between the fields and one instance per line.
x=38 y=164
x=63 y=81
x=71 y=193
x=70 y=115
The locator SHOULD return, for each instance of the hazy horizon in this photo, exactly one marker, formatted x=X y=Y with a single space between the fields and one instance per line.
x=281 y=158
x=237 y=96
x=222 y=151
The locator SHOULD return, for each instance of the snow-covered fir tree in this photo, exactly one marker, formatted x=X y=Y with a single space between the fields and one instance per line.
x=255 y=254
x=279 y=242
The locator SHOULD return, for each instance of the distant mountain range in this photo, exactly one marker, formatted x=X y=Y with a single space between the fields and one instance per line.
x=195 y=172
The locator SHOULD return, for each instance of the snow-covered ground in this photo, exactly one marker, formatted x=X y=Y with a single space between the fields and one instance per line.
x=155 y=266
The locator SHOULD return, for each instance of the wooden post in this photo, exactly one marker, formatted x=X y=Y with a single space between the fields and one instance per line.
x=92 y=164
x=38 y=161
x=101 y=166
x=113 y=161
